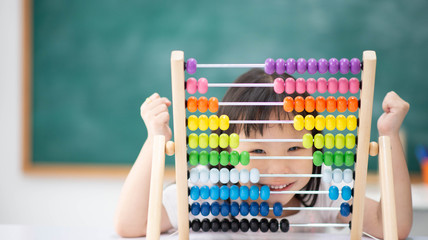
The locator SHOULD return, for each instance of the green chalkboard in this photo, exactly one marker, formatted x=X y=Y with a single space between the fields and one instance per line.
x=95 y=62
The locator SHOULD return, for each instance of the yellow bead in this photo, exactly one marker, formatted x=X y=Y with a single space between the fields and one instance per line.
x=308 y=141
x=350 y=141
x=299 y=122
x=224 y=122
x=213 y=122
x=309 y=122
x=330 y=122
x=340 y=122
x=193 y=140
x=223 y=140
x=192 y=123
x=351 y=122
x=213 y=141
x=203 y=140
x=203 y=122
x=234 y=140
x=339 y=141
x=319 y=141
x=319 y=122
x=329 y=141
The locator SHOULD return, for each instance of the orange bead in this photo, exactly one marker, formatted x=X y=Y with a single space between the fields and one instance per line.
x=288 y=104
x=202 y=104
x=192 y=104
x=342 y=104
x=213 y=104
x=320 y=104
x=299 y=104
x=331 y=104
x=309 y=104
x=352 y=104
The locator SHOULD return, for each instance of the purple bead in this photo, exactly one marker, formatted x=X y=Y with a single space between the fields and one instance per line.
x=290 y=65
x=344 y=66
x=355 y=66
x=301 y=65
x=280 y=66
x=322 y=65
x=312 y=66
x=269 y=66
x=333 y=65
x=191 y=65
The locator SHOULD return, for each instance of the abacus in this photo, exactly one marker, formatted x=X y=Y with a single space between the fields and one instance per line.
x=185 y=155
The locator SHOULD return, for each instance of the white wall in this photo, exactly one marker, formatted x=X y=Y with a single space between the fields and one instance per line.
x=39 y=200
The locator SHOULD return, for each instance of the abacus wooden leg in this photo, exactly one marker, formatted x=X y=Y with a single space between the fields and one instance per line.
x=156 y=188
x=389 y=217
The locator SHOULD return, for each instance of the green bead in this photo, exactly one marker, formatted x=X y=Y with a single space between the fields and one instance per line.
x=234 y=140
x=349 y=158
x=203 y=140
x=234 y=158
x=319 y=141
x=338 y=158
x=308 y=141
x=193 y=140
x=329 y=141
x=193 y=158
x=214 y=158
x=339 y=141
x=223 y=140
x=204 y=158
x=350 y=141
x=213 y=140
x=317 y=158
x=244 y=158
x=224 y=158
x=328 y=158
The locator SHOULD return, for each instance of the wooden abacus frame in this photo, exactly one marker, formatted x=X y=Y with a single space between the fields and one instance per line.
x=364 y=147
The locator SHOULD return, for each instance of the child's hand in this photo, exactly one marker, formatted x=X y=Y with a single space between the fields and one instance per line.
x=154 y=112
x=395 y=109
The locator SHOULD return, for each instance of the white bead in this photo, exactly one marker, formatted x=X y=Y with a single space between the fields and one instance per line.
x=254 y=175
x=348 y=175
x=194 y=175
x=224 y=175
x=337 y=175
x=234 y=175
x=244 y=176
x=214 y=175
x=326 y=175
x=204 y=175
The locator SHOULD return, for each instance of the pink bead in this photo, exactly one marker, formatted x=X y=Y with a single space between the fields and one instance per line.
x=311 y=85
x=354 y=85
x=191 y=85
x=343 y=85
x=300 y=85
x=202 y=85
x=278 y=85
x=332 y=85
x=322 y=85
x=290 y=86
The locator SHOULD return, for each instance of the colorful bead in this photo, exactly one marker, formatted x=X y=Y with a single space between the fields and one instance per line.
x=193 y=140
x=344 y=65
x=332 y=85
x=254 y=209
x=234 y=192
x=192 y=123
x=348 y=175
x=254 y=175
x=331 y=104
x=214 y=158
x=320 y=104
x=203 y=122
x=309 y=104
x=224 y=158
x=343 y=85
x=191 y=85
x=290 y=65
x=234 y=206
x=270 y=66
x=309 y=122
x=299 y=122
x=317 y=158
x=319 y=122
x=205 y=209
x=204 y=175
x=195 y=209
x=354 y=85
x=278 y=85
x=300 y=85
x=329 y=141
x=234 y=158
x=327 y=175
x=328 y=158
x=234 y=140
x=194 y=175
x=330 y=122
x=333 y=65
x=280 y=66
x=224 y=175
x=355 y=66
x=234 y=175
x=346 y=193
x=244 y=209
x=342 y=104
x=213 y=104
x=194 y=193
x=351 y=122
x=322 y=65
x=244 y=192
x=333 y=192
x=319 y=141
x=290 y=85
x=312 y=65
x=352 y=104
x=277 y=209
x=322 y=85
x=191 y=65
x=224 y=122
x=213 y=141
x=192 y=104
x=341 y=122
x=301 y=65
x=204 y=191
x=339 y=141
x=202 y=85
x=349 y=158
x=224 y=208
x=350 y=141
x=193 y=158
x=299 y=104
x=223 y=141
x=345 y=209
x=213 y=122
x=215 y=208
x=338 y=158
x=214 y=175
x=202 y=104
x=288 y=104
x=337 y=175
x=224 y=192
x=244 y=176
x=244 y=158
x=311 y=85
x=264 y=192
x=264 y=209
x=308 y=140
x=254 y=192
x=203 y=140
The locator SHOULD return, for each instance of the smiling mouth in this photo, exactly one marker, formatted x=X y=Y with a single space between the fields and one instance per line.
x=282 y=187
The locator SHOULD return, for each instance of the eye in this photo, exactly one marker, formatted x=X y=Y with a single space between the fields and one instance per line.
x=258 y=151
x=295 y=148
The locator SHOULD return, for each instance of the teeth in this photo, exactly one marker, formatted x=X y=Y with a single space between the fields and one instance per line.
x=278 y=186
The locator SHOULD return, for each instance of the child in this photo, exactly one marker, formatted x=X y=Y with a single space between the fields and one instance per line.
x=131 y=217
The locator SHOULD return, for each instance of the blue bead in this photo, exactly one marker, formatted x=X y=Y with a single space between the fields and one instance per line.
x=225 y=209
x=345 y=209
x=195 y=208
x=244 y=192
x=215 y=208
x=264 y=209
x=204 y=192
x=224 y=192
x=234 y=209
x=214 y=192
x=244 y=208
x=264 y=192
x=234 y=192
x=346 y=193
x=194 y=193
x=254 y=192
x=277 y=209
x=205 y=209
x=254 y=209
x=333 y=192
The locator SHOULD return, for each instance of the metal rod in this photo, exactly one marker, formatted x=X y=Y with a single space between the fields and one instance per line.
x=255 y=65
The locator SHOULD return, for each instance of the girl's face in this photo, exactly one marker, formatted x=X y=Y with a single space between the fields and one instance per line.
x=272 y=166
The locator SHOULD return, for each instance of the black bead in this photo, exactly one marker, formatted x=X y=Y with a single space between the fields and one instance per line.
x=215 y=225
x=350 y=224
x=234 y=225
x=206 y=225
x=188 y=175
x=254 y=225
x=285 y=225
x=273 y=225
x=264 y=225
x=225 y=225
x=190 y=208
x=244 y=225
x=196 y=225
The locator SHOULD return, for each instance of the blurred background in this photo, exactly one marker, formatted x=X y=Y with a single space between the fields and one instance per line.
x=95 y=62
